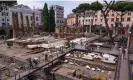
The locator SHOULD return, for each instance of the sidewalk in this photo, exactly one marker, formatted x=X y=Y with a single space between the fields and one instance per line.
x=124 y=68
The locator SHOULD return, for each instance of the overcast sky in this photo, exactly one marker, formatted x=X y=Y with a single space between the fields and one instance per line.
x=68 y=5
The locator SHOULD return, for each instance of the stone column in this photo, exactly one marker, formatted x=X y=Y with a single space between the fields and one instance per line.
x=13 y=25
x=100 y=31
x=22 y=23
x=17 y=25
x=33 y=23
x=28 y=27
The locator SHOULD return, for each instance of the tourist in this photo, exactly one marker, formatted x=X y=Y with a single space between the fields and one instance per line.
x=86 y=45
x=46 y=57
x=35 y=61
x=81 y=42
x=123 y=52
x=30 y=63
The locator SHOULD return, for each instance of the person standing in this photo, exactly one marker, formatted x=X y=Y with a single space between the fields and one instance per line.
x=81 y=42
x=35 y=61
x=86 y=45
x=123 y=52
x=30 y=63
x=46 y=57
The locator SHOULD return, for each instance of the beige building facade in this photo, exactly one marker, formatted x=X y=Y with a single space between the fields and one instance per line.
x=112 y=17
x=71 y=19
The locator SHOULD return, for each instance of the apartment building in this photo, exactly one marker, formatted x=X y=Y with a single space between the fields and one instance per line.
x=6 y=15
x=112 y=18
x=71 y=19
x=59 y=15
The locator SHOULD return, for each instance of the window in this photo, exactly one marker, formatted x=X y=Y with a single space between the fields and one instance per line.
x=86 y=20
x=122 y=19
x=112 y=25
x=7 y=19
x=95 y=15
x=8 y=24
x=127 y=25
x=31 y=18
x=129 y=13
x=37 y=24
x=36 y=18
x=101 y=20
x=3 y=24
x=100 y=24
x=112 y=14
x=83 y=20
x=2 y=13
x=128 y=19
x=89 y=20
x=57 y=21
x=6 y=14
x=95 y=20
x=117 y=19
x=112 y=19
x=2 y=19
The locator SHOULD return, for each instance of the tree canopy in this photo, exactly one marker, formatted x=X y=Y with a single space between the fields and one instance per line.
x=122 y=6
x=52 y=20
x=95 y=6
x=45 y=18
x=83 y=7
x=7 y=3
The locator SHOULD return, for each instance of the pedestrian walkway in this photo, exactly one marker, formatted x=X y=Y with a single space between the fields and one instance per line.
x=122 y=72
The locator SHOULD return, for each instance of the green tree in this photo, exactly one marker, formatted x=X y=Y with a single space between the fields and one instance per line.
x=5 y=4
x=51 y=20
x=45 y=18
x=76 y=11
x=82 y=8
x=105 y=8
x=122 y=8
x=95 y=6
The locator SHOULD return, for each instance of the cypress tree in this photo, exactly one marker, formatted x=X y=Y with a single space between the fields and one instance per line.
x=45 y=18
x=51 y=20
